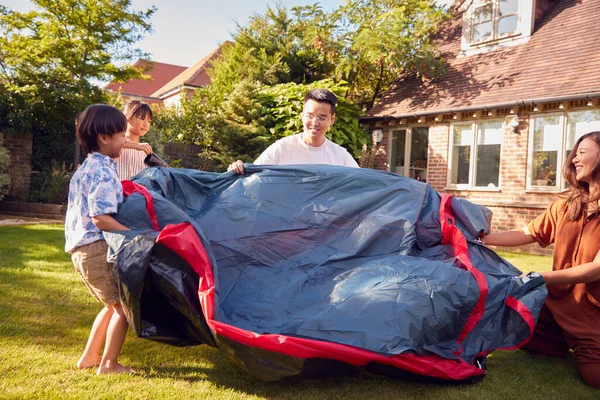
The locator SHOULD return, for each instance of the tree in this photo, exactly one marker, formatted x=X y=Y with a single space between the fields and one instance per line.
x=383 y=39
x=365 y=43
x=51 y=58
x=4 y=174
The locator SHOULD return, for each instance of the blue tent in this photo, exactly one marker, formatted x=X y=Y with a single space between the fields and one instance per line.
x=319 y=270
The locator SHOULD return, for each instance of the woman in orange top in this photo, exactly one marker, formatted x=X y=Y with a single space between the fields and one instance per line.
x=131 y=159
x=570 y=318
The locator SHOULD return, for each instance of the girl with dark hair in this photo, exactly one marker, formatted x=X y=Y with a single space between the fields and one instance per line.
x=570 y=318
x=131 y=160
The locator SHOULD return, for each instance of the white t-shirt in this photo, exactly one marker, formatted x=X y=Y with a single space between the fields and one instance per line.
x=293 y=150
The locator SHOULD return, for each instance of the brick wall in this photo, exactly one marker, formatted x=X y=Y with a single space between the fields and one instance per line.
x=512 y=206
x=19 y=147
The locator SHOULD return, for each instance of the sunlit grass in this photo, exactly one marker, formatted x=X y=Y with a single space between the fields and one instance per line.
x=46 y=313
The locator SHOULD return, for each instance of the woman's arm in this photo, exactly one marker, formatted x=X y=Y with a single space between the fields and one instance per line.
x=514 y=237
x=107 y=223
x=584 y=273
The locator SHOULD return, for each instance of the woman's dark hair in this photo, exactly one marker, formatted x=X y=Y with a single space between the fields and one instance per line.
x=98 y=119
x=138 y=109
x=322 y=96
x=578 y=196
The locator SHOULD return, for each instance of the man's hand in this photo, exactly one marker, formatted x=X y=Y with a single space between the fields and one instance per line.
x=237 y=167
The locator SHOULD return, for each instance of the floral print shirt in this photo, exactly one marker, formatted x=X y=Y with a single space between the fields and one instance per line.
x=95 y=189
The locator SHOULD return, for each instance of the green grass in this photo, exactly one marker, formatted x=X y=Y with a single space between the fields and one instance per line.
x=46 y=314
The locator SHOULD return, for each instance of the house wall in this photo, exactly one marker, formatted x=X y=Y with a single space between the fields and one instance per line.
x=19 y=147
x=512 y=204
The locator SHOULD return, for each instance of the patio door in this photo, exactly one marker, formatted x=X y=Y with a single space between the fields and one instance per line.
x=409 y=152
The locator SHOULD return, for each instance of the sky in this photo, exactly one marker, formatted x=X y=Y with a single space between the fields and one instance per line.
x=187 y=30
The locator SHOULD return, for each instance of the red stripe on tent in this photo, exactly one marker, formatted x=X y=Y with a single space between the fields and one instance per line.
x=527 y=316
x=525 y=313
x=452 y=235
x=130 y=188
x=184 y=240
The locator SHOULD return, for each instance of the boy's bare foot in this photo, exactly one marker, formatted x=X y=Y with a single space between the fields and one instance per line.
x=88 y=362
x=114 y=368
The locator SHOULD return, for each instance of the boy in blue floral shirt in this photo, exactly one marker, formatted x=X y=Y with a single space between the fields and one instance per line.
x=95 y=192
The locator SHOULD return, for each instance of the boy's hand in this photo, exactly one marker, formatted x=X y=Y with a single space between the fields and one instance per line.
x=145 y=147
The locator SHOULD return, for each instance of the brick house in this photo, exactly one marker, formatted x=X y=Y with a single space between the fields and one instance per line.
x=523 y=84
x=168 y=82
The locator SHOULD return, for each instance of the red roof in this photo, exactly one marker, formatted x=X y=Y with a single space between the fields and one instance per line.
x=161 y=74
x=195 y=76
x=562 y=58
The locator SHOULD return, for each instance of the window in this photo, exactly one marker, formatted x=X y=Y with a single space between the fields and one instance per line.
x=551 y=140
x=494 y=19
x=409 y=152
x=475 y=154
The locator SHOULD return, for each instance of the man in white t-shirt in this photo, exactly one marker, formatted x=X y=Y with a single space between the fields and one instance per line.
x=311 y=146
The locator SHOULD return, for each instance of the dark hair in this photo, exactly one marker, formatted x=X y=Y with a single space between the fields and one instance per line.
x=98 y=119
x=322 y=96
x=578 y=196
x=138 y=109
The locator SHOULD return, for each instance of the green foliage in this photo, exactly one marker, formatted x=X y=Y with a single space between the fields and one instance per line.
x=365 y=43
x=385 y=38
x=51 y=185
x=258 y=84
x=4 y=173
x=282 y=106
x=50 y=59
x=252 y=117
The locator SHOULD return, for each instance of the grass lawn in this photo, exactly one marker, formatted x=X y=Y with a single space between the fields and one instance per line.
x=46 y=314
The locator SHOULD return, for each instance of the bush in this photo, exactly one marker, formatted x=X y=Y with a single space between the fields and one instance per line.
x=52 y=184
x=4 y=175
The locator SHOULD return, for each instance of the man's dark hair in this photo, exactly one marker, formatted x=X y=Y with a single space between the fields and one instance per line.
x=98 y=119
x=322 y=96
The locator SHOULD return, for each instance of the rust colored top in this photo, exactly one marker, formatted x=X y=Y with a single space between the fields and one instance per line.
x=575 y=307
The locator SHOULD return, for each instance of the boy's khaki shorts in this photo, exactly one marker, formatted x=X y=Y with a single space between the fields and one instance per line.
x=90 y=262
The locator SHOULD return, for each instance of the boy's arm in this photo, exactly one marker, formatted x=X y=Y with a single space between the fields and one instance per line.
x=107 y=223
x=145 y=147
x=584 y=273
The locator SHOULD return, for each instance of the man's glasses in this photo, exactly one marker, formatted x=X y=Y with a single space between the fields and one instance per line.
x=311 y=117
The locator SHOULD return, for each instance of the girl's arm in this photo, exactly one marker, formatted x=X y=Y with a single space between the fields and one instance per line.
x=584 y=273
x=107 y=223
x=514 y=237
x=145 y=147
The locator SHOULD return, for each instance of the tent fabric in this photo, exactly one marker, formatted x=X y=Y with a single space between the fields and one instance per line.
x=318 y=270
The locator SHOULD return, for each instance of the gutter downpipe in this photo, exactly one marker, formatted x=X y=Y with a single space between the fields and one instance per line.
x=519 y=103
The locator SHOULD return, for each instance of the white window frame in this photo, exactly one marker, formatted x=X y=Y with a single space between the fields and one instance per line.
x=525 y=24
x=559 y=157
x=495 y=20
x=472 y=164
x=407 y=148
